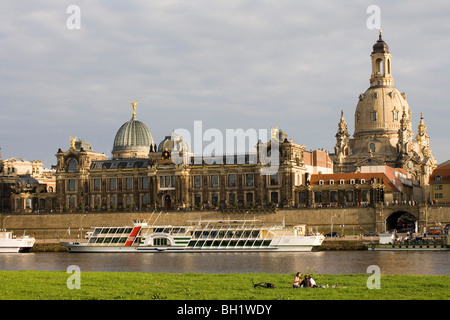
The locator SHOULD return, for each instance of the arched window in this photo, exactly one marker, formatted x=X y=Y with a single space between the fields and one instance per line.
x=72 y=165
x=378 y=66
x=372 y=147
x=374 y=115
x=395 y=114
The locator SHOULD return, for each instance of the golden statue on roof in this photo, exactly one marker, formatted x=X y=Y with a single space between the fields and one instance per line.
x=134 y=107
x=72 y=142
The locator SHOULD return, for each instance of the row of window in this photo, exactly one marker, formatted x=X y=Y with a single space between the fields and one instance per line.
x=373 y=116
x=349 y=196
x=169 y=182
x=113 y=201
x=342 y=181
x=214 y=180
x=232 y=198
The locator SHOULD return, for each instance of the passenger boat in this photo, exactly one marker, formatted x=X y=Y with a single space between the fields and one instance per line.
x=10 y=243
x=389 y=243
x=198 y=236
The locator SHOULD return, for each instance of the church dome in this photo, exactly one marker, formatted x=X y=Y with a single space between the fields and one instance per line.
x=133 y=140
x=380 y=46
x=380 y=109
x=174 y=141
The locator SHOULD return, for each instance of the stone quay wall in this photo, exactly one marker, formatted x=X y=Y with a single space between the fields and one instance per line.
x=349 y=220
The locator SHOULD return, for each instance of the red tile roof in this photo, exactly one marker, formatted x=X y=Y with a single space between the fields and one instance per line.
x=443 y=171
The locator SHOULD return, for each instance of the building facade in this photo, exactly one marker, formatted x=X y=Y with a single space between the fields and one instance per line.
x=383 y=132
x=144 y=176
x=26 y=186
x=371 y=185
x=440 y=184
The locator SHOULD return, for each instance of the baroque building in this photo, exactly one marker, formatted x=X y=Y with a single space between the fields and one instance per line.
x=144 y=176
x=26 y=186
x=383 y=132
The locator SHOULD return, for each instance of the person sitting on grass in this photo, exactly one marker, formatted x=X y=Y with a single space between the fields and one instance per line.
x=297 y=280
x=306 y=283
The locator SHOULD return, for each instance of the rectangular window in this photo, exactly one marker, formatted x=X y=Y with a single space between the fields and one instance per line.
x=145 y=200
x=167 y=182
x=232 y=180
x=214 y=181
x=333 y=196
x=302 y=197
x=249 y=180
x=249 y=197
x=349 y=196
x=197 y=199
x=197 y=181
x=318 y=197
x=365 y=195
x=274 y=179
x=72 y=185
x=129 y=183
x=232 y=197
x=215 y=199
x=97 y=184
x=274 y=197
x=113 y=184
x=144 y=183
x=129 y=200
x=112 y=201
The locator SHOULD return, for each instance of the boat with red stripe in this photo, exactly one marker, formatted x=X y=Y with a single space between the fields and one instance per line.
x=198 y=236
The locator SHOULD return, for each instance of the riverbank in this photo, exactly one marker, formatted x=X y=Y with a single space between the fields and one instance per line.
x=330 y=244
x=59 y=285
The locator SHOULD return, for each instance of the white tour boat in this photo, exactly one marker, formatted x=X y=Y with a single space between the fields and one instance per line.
x=199 y=236
x=10 y=243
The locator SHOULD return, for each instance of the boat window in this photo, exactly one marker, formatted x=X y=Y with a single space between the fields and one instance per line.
x=99 y=240
x=160 y=241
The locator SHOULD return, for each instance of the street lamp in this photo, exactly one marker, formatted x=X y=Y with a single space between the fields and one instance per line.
x=331 y=233
x=81 y=225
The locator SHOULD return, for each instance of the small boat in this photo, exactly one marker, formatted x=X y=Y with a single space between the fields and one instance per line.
x=390 y=242
x=10 y=243
x=199 y=236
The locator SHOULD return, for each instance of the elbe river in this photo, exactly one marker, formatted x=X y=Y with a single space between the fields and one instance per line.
x=322 y=262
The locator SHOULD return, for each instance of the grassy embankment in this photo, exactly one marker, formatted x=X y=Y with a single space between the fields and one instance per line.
x=52 y=285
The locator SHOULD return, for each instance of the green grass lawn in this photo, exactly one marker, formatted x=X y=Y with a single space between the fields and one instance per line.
x=52 y=285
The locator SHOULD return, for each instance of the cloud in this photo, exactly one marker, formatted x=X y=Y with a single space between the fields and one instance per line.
x=231 y=64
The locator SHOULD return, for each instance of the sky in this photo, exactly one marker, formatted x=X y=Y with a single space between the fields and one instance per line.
x=228 y=63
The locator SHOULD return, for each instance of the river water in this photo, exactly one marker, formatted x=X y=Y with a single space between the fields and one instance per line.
x=322 y=262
